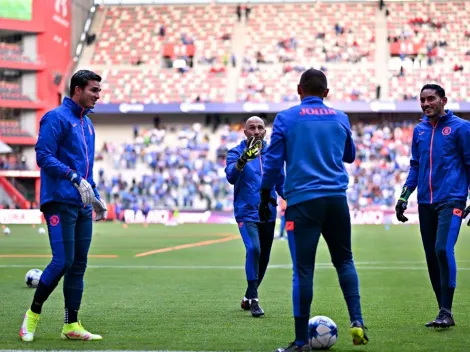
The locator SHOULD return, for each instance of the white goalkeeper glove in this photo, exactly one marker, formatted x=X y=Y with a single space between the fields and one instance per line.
x=100 y=208
x=85 y=189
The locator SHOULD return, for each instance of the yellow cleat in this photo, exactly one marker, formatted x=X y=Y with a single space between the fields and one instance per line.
x=76 y=331
x=28 y=328
x=358 y=333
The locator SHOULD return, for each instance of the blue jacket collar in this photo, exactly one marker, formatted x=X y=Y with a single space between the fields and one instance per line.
x=76 y=109
x=447 y=116
x=310 y=100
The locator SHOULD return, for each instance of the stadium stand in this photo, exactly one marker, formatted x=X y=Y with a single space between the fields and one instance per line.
x=11 y=90
x=191 y=53
x=179 y=167
x=429 y=42
x=135 y=40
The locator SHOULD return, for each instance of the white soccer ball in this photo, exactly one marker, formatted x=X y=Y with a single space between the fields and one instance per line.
x=322 y=332
x=6 y=231
x=42 y=231
x=32 y=278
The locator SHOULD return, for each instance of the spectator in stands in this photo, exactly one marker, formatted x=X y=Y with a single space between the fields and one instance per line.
x=247 y=12
x=239 y=12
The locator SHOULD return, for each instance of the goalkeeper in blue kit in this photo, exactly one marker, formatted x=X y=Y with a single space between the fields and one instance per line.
x=244 y=169
x=440 y=169
x=314 y=141
x=65 y=153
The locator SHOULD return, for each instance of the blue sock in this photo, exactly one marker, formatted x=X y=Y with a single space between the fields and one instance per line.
x=301 y=331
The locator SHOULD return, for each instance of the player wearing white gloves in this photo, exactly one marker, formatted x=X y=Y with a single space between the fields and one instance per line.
x=65 y=153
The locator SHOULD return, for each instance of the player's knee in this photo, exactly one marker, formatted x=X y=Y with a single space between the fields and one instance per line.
x=60 y=265
x=342 y=263
x=79 y=266
x=253 y=251
x=441 y=251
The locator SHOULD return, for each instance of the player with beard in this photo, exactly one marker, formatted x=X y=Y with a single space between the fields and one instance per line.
x=244 y=170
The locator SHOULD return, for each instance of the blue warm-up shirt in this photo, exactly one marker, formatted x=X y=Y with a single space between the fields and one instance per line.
x=66 y=143
x=440 y=159
x=314 y=141
x=248 y=184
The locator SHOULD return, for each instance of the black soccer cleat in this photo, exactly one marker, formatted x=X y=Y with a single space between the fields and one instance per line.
x=432 y=323
x=292 y=347
x=256 y=310
x=245 y=305
x=444 y=320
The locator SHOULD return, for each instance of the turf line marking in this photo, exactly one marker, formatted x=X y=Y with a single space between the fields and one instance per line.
x=49 y=256
x=326 y=266
x=100 y=351
x=188 y=245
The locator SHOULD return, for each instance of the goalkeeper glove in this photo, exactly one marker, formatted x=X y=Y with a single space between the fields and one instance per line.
x=251 y=152
x=100 y=207
x=264 y=211
x=402 y=205
x=465 y=214
x=84 y=188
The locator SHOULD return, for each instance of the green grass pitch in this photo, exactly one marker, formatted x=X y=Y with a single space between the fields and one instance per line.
x=187 y=298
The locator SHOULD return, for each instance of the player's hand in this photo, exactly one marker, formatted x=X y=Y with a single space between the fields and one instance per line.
x=465 y=214
x=85 y=189
x=100 y=208
x=400 y=208
x=264 y=211
x=251 y=152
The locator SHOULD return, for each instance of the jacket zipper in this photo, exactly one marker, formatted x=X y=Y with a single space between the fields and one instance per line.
x=84 y=142
x=430 y=158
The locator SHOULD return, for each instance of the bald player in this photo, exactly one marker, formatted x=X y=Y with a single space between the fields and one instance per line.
x=244 y=170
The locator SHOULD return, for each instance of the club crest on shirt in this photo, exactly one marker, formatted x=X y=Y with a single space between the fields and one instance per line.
x=446 y=130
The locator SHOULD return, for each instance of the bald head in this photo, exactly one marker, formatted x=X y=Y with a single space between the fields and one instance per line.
x=254 y=126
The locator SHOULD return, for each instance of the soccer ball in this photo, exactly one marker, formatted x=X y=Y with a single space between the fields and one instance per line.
x=322 y=332
x=32 y=278
x=42 y=231
x=6 y=231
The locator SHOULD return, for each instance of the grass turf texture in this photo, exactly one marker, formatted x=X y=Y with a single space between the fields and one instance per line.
x=188 y=299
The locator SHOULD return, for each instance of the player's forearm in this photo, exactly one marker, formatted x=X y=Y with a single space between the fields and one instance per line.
x=51 y=165
x=349 y=151
x=233 y=173
x=411 y=182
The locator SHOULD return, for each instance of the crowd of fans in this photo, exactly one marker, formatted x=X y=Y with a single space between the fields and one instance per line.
x=13 y=161
x=176 y=170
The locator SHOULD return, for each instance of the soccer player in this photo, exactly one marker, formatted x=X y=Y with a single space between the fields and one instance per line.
x=244 y=169
x=315 y=141
x=65 y=153
x=440 y=168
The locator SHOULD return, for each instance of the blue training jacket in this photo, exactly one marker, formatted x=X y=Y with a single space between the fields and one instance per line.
x=314 y=141
x=66 y=143
x=248 y=184
x=440 y=159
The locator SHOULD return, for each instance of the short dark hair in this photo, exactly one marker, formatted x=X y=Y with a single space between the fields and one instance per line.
x=313 y=82
x=81 y=79
x=437 y=88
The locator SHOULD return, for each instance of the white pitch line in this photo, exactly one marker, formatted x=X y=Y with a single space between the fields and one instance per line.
x=319 y=266
x=99 y=351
